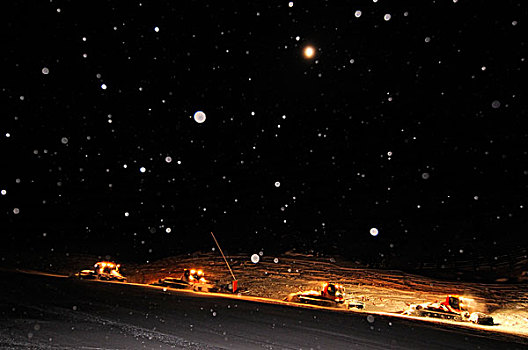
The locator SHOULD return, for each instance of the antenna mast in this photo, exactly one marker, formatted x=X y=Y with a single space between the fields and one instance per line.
x=221 y=252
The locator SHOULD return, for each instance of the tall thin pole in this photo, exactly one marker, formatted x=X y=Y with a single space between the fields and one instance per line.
x=221 y=252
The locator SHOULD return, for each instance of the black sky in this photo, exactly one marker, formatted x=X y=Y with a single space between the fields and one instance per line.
x=409 y=119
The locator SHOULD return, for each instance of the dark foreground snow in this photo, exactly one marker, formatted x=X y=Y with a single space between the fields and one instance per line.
x=46 y=312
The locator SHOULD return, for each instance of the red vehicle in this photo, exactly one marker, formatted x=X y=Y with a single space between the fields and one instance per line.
x=454 y=307
x=331 y=294
x=103 y=270
x=193 y=279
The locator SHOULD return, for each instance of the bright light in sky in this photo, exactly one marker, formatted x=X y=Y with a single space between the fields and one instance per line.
x=374 y=231
x=309 y=51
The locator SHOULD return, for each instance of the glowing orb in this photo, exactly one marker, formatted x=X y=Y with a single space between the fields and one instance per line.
x=255 y=258
x=374 y=231
x=309 y=52
x=199 y=117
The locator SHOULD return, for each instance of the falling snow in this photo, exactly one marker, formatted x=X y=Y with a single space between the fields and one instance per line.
x=199 y=117
x=392 y=121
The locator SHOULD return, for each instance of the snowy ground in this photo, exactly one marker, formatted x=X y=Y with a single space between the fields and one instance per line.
x=39 y=311
x=277 y=276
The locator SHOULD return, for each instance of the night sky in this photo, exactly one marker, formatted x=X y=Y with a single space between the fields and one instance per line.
x=408 y=119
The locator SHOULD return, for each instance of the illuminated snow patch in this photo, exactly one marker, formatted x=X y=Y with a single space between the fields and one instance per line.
x=374 y=231
x=199 y=117
x=255 y=258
